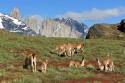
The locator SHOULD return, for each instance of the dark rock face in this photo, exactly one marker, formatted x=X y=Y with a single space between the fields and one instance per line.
x=105 y=31
x=122 y=26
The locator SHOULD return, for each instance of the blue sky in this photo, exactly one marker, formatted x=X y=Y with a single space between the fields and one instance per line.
x=85 y=11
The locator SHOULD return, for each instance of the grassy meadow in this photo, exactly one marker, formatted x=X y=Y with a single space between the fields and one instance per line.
x=12 y=60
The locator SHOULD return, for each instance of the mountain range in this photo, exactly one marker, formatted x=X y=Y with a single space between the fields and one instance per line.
x=65 y=27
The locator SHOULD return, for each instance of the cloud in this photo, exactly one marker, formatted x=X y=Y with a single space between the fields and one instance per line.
x=95 y=14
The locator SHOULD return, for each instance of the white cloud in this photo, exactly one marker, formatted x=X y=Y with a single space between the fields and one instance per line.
x=95 y=14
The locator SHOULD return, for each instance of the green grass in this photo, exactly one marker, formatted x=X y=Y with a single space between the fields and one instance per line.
x=42 y=46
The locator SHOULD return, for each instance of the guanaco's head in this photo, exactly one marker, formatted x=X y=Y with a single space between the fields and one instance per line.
x=51 y=51
x=100 y=66
x=68 y=43
x=46 y=61
x=33 y=54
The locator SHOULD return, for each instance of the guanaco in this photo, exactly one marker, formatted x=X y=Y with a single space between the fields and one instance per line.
x=67 y=50
x=58 y=47
x=78 y=47
x=30 y=61
x=100 y=65
x=107 y=64
x=76 y=63
x=44 y=65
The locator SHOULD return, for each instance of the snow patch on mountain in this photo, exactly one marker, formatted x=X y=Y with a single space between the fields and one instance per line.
x=1 y=26
x=57 y=29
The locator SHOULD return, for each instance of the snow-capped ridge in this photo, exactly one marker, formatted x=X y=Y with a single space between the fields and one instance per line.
x=14 y=25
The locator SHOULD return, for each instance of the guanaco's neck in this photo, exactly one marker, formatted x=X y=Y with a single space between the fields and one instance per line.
x=99 y=63
x=82 y=64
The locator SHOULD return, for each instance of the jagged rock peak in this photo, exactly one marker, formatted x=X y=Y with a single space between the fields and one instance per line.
x=66 y=20
x=32 y=23
x=16 y=13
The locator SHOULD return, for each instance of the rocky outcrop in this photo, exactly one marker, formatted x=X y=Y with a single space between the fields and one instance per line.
x=105 y=31
x=63 y=28
x=16 y=14
x=32 y=23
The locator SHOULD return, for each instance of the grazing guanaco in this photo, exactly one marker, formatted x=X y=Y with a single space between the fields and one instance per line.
x=67 y=50
x=107 y=64
x=44 y=65
x=30 y=61
x=58 y=47
x=100 y=65
x=76 y=63
x=78 y=47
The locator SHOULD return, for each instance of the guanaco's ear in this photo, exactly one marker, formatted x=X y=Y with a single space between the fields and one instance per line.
x=83 y=58
x=108 y=54
x=46 y=60
x=33 y=54
x=97 y=59
x=84 y=45
x=51 y=51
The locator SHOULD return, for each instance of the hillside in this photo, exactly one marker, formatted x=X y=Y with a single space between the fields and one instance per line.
x=12 y=60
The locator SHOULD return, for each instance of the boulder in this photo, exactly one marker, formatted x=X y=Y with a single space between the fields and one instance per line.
x=109 y=31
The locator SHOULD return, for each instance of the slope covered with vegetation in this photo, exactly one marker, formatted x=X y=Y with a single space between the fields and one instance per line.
x=12 y=60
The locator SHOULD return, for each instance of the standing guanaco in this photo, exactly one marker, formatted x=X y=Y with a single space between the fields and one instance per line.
x=78 y=47
x=58 y=47
x=44 y=65
x=67 y=50
x=30 y=60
